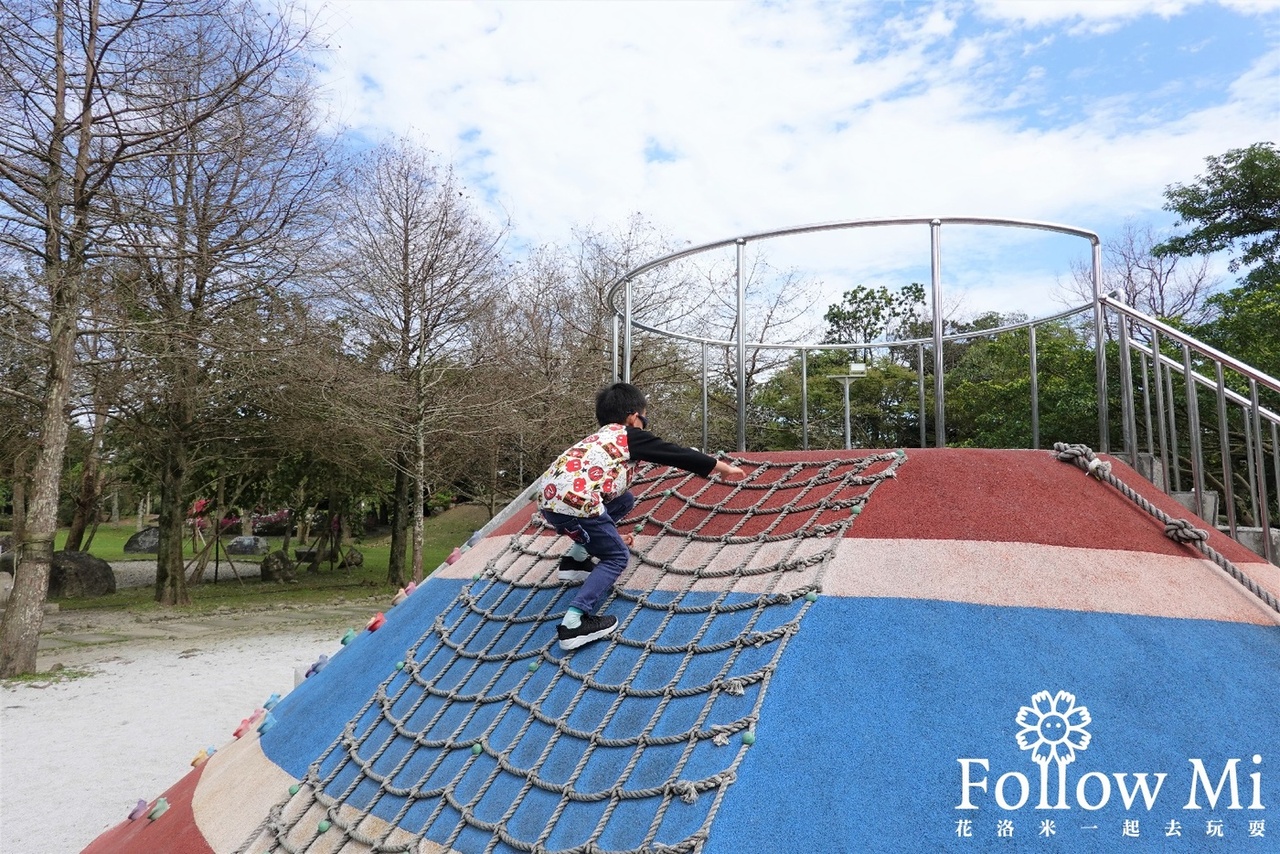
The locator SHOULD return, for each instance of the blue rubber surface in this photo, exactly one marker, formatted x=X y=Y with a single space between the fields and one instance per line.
x=874 y=703
x=879 y=698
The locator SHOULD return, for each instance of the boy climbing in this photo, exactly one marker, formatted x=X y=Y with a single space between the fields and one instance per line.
x=583 y=495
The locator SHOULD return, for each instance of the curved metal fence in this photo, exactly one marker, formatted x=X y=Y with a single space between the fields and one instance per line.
x=1225 y=466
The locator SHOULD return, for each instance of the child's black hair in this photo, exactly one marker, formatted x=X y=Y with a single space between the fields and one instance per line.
x=615 y=403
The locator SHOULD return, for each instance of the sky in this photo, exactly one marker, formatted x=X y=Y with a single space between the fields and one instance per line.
x=719 y=119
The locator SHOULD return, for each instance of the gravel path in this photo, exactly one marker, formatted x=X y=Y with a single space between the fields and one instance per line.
x=140 y=573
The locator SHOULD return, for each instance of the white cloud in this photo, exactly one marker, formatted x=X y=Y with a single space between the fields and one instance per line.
x=768 y=115
x=1097 y=16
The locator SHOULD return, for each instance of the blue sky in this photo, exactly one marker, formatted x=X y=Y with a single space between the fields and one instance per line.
x=714 y=119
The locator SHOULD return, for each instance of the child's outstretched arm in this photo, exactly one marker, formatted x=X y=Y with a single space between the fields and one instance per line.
x=728 y=470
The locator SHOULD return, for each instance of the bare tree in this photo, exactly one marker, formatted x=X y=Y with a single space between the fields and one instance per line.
x=77 y=101
x=779 y=309
x=1169 y=287
x=422 y=270
x=212 y=233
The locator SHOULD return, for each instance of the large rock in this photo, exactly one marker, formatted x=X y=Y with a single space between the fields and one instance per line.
x=80 y=575
x=248 y=546
x=146 y=542
x=352 y=559
x=277 y=567
x=75 y=575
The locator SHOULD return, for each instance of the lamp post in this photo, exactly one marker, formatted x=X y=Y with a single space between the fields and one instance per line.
x=857 y=370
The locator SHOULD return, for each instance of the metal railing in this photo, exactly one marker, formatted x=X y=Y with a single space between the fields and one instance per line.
x=625 y=317
x=1166 y=378
x=1169 y=409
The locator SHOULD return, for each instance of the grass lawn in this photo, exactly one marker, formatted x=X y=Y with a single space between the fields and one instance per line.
x=440 y=535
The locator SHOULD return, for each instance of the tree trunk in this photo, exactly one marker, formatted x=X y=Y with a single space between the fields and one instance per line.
x=171 y=581
x=64 y=263
x=493 y=484
x=91 y=478
x=288 y=531
x=419 y=500
x=399 y=525
x=24 y=615
x=19 y=496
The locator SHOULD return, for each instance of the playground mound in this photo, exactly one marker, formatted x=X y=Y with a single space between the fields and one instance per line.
x=860 y=651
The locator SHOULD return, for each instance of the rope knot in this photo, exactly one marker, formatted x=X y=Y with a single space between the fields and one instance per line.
x=1098 y=468
x=1182 y=531
x=687 y=791
x=1071 y=452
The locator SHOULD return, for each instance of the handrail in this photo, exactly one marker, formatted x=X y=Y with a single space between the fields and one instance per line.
x=838 y=225
x=1183 y=338
x=869 y=345
x=1230 y=394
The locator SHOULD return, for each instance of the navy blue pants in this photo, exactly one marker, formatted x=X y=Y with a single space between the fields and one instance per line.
x=599 y=536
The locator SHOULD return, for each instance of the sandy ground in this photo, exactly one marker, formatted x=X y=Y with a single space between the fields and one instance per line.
x=76 y=754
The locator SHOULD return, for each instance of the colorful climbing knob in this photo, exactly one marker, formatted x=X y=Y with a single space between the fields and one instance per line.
x=476 y=750
x=400 y=596
x=161 y=807
x=811 y=596
x=248 y=723
x=533 y=665
x=324 y=826
x=139 y=811
x=639 y=527
x=295 y=788
x=399 y=665
x=454 y=555
x=410 y=587
x=857 y=510
x=271 y=702
x=201 y=758
x=475 y=576
x=376 y=622
x=666 y=493
x=267 y=722
x=348 y=636
x=901 y=453
x=748 y=738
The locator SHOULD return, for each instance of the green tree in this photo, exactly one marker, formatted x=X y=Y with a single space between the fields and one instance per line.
x=867 y=314
x=989 y=390
x=883 y=405
x=1234 y=205
x=210 y=233
x=1247 y=326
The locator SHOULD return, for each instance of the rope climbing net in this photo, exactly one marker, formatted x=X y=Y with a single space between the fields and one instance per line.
x=1179 y=530
x=487 y=738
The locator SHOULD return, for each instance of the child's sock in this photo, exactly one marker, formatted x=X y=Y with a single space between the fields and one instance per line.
x=577 y=552
x=572 y=618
